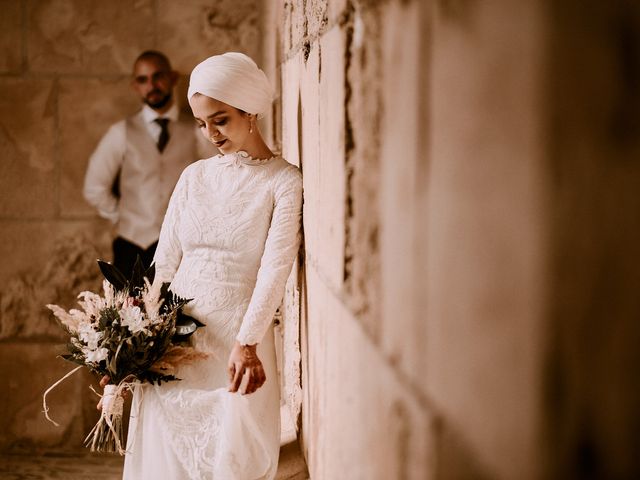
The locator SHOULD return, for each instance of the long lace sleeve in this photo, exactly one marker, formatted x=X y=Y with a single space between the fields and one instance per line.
x=281 y=247
x=169 y=250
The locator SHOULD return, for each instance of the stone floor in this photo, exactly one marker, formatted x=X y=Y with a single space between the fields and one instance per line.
x=85 y=466
x=71 y=466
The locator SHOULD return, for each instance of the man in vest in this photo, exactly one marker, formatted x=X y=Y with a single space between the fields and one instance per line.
x=136 y=165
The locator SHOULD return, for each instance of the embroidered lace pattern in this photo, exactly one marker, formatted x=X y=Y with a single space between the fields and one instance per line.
x=228 y=241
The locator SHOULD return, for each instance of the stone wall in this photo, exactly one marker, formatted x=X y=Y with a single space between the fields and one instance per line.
x=64 y=76
x=468 y=292
x=364 y=411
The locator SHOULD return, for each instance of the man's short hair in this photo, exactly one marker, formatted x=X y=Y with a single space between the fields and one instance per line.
x=159 y=57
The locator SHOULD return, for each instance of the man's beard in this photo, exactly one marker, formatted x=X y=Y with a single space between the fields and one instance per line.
x=160 y=103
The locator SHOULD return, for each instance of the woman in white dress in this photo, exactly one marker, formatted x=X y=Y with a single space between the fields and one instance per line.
x=228 y=241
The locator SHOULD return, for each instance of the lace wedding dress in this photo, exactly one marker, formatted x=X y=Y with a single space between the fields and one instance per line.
x=228 y=241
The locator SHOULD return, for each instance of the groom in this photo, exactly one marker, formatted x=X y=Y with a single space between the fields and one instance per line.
x=137 y=163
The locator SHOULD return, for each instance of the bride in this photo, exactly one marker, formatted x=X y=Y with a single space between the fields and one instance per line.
x=228 y=241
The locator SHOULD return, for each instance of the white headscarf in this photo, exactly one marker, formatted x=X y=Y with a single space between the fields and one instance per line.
x=235 y=79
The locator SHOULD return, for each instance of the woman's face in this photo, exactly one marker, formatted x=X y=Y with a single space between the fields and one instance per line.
x=225 y=126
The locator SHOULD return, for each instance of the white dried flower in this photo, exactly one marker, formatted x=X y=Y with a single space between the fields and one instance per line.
x=132 y=318
x=69 y=321
x=152 y=302
x=91 y=303
x=109 y=293
x=95 y=355
x=89 y=336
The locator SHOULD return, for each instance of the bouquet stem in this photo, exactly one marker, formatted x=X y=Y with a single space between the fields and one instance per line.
x=107 y=435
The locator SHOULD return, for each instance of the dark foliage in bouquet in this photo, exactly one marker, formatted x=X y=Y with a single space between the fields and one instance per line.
x=133 y=334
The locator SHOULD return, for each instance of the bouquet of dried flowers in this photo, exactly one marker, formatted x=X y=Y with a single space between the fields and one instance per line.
x=133 y=333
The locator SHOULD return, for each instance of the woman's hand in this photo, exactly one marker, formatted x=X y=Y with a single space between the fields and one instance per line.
x=104 y=381
x=244 y=360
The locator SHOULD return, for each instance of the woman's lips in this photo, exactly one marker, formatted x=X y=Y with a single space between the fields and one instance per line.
x=220 y=143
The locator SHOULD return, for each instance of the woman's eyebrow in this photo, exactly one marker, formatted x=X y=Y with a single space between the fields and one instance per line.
x=219 y=112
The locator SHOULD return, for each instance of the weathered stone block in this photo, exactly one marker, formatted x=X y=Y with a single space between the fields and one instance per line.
x=487 y=233
x=270 y=54
x=399 y=213
x=291 y=144
x=87 y=107
x=312 y=130
x=189 y=35
x=316 y=17
x=46 y=262
x=78 y=36
x=363 y=134
x=27 y=139
x=27 y=370
x=11 y=36
x=308 y=117
x=291 y=368
x=295 y=25
x=365 y=422
x=326 y=210
x=336 y=9
x=291 y=110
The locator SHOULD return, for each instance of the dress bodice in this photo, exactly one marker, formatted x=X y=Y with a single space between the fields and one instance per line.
x=229 y=238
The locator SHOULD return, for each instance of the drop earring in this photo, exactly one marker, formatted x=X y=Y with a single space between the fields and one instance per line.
x=250 y=125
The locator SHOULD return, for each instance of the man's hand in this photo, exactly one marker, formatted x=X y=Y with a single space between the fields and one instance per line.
x=244 y=361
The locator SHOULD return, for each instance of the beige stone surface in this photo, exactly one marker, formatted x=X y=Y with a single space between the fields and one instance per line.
x=62 y=264
x=309 y=137
x=28 y=369
x=364 y=114
x=270 y=59
x=400 y=215
x=88 y=37
x=292 y=110
x=27 y=141
x=291 y=389
x=11 y=41
x=361 y=419
x=336 y=11
x=292 y=374
x=327 y=201
x=316 y=17
x=208 y=28
x=487 y=233
x=87 y=108
x=294 y=29
x=365 y=423
x=35 y=241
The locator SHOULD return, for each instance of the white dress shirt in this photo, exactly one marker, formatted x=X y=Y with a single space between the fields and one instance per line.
x=147 y=176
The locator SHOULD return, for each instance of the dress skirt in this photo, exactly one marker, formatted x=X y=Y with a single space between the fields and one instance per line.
x=194 y=429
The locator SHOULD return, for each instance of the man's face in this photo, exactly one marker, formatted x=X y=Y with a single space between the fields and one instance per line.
x=154 y=82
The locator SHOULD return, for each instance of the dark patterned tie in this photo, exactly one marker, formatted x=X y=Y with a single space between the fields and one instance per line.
x=163 y=139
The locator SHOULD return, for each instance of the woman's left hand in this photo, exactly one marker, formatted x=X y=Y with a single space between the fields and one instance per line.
x=244 y=361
